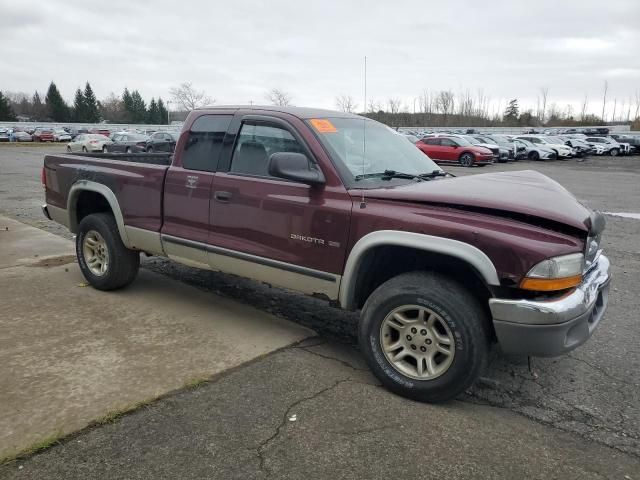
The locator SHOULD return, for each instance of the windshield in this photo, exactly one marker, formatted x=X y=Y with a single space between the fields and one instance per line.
x=554 y=140
x=460 y=141
x=501 y=141
x=384 y=149
x=472 y=140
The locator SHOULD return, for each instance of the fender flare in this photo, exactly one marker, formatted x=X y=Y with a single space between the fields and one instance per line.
x=86 y=185
x=468 y=253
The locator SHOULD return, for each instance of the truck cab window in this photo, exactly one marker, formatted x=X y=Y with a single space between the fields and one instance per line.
x=203 y=146
x=256 y=143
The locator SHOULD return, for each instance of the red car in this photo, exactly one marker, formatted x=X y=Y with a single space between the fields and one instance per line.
x=42 y=135
x=455 y=150
x=101 y=131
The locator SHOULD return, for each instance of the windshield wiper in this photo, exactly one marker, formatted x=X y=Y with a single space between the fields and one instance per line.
x=388 y=175
x=435 y=173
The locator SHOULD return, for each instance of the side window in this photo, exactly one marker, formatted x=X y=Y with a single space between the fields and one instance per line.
x=432 y=141
x=447 y=142
x=256 y=143
x=203 y=146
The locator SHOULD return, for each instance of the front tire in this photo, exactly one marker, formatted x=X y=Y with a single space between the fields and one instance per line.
x=467 y=159
x=68 y=149
x=104 y=149
x=424 y=336
x=150 y=150
x=104 y=260
x=535 y=156
x=614 y=152
x=84 y=149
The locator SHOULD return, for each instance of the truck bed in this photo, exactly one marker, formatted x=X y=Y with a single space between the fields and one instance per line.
x=136 y=180
x=148 y=158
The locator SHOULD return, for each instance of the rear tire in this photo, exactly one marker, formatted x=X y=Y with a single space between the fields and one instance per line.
x=104 y=149
x=454 y=314
x=68 y=149
x=84 y=149
x=104 y=260
x=150 y=150
x=127 y=150
x=467 y=159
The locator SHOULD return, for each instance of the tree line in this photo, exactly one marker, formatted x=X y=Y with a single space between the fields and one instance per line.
x=129 y=107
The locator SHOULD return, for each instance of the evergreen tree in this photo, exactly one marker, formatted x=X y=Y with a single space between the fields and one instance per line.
x=6 y=112
x=79 y=107
x=91 y=105
x=38 y=109
x=139 y=108
x=153 y=115
x=512 y=111
x=162 y=113
x=57 y=109
x=127 y=102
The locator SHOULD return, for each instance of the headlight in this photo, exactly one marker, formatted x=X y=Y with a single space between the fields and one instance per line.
x=557 y=273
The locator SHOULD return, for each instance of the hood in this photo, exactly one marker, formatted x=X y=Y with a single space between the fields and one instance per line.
x=527 y=195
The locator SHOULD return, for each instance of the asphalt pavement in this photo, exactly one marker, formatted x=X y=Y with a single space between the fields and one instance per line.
x=576 y=416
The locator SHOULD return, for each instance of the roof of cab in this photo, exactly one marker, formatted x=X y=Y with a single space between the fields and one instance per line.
x=300 y=112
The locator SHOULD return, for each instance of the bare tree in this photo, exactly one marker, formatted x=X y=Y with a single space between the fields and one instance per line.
x=615 y=105
x=544 y=93
x=188 y=98
x=346 y=103
x=278 y=97
x=604 y=98
x=583 y=109
x=637 y=105
x=373 y=106
x=445 y=102
x=394 y=105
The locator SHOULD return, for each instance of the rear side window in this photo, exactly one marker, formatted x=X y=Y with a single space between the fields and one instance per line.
x=203 y=146
x=431 y=141
x=256 y=143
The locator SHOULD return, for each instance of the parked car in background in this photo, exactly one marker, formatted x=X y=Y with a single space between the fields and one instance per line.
x=581 y=147
x=4 y=134
x=562 y=151
x=504 y=142
x=101 y=131
x=20 y=136
x=532 y=151
x=501 y=154
x=632 y=140
x=126 y=142
x=75 y=131
x=61 y=135
x=42 y=135
x=609 y=145
x=162 y=142
x=454 y=150
x=88 y=142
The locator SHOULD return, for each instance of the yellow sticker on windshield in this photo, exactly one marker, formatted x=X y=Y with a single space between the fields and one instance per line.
x=322 y=125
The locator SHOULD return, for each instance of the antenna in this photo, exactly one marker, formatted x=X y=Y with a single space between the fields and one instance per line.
x=364 y=132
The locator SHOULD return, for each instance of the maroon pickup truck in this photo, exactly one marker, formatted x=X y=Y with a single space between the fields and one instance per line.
x=338 y=206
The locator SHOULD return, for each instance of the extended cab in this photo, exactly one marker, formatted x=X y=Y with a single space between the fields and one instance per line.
x=338 y=206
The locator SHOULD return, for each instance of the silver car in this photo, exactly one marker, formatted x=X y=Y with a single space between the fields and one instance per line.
x=89 y=142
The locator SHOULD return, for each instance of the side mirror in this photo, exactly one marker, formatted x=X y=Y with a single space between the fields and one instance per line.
x=295 y=166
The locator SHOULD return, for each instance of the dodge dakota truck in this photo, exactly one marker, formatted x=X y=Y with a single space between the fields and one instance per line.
x=340 y=207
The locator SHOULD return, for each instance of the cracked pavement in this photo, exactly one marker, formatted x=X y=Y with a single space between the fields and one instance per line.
x=576 y=416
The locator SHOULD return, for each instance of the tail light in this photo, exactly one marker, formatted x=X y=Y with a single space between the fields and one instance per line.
x=43 y=178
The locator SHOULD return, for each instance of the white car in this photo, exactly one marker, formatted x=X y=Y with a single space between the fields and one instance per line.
x=534 y=152
x=609 y=145
x=555 y=144
x=89 y=142
x=61 y=136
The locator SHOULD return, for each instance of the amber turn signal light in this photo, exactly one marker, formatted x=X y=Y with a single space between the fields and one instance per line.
x=550 y=284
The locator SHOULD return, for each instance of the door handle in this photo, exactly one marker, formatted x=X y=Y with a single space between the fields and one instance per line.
x=223 y=197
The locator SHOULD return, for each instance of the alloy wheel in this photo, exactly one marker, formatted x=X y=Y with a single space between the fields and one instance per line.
x=417 y=342
x=95 y=252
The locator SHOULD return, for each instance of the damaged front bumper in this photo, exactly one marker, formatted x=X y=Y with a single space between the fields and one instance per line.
x=550 y=328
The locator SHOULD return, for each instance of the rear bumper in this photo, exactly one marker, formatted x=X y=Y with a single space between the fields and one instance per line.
x=551 y=328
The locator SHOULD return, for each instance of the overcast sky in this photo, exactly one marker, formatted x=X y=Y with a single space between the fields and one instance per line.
x=314 y=50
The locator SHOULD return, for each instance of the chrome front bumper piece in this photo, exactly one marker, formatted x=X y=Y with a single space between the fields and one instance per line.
x=552 y=327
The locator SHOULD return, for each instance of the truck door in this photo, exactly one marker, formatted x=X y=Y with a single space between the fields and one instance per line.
x=187 y=189
x=279 y=231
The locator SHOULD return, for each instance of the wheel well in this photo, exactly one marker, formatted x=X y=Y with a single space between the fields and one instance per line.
x=385 y=262
x=89 y=202
x=469 y=152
